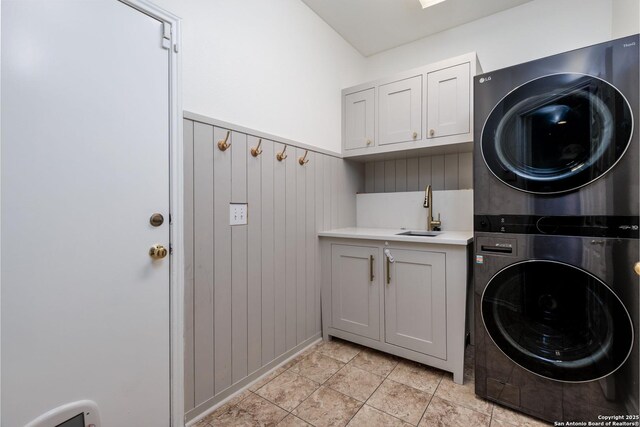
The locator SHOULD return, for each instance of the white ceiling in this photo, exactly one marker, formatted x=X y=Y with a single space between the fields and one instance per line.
x=372 y=26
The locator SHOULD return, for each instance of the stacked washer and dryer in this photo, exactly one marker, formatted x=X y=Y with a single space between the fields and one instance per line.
x=556 y=210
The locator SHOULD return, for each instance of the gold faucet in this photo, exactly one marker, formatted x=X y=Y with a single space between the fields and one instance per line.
x=432 y=224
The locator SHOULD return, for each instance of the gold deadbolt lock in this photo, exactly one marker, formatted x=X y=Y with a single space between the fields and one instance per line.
x=158 y=252
x=156 y=220
x=636 y=268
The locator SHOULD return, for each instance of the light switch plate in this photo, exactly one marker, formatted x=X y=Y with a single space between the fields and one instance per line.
x=238 y=214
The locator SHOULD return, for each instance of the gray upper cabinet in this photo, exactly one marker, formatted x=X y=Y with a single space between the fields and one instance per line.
x=355 y=291
x=448 y=101
x=400 y=111
x=359 y=119
x=415 y=302
x=420 y=112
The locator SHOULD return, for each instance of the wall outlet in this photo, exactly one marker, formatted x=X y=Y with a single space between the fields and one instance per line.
x=238 y=214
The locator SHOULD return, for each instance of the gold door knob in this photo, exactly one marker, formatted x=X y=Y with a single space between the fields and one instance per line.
x=368 y=142
x=415 y=135
x=158 y=252
x=636 y=268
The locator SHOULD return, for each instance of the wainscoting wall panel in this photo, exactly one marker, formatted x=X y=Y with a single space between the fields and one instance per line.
x=253 y=291
x=443 y=172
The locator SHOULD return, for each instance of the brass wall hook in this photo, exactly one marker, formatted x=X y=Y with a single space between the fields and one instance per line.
x=281 y=155
x=256 y=151
x=303 y=160
x=222 y=144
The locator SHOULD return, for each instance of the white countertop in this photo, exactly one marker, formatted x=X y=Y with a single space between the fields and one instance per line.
x=445 y=238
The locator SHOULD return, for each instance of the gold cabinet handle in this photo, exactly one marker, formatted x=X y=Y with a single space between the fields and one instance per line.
x=158 y=251
x=636 y=268
x=415 y=135
x=256 y=151
x=390 y=260
x=368 y=142
x=388 y=271
x=371 y=276
x=223 y=144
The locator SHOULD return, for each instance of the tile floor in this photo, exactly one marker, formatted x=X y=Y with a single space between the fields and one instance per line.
x=337 y=383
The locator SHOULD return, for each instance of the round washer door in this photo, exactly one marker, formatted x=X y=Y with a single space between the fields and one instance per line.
x=557 y=133
x=557 y=321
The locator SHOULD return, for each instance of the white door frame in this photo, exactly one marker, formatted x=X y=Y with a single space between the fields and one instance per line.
x=176 y=209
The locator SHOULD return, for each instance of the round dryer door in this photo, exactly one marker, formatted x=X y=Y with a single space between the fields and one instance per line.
x=557 y=321
x=557 y=133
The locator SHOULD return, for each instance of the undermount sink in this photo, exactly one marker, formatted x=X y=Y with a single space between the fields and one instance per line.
x=420 y=233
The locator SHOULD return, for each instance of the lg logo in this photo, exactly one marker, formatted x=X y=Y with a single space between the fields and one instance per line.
x=485 y=79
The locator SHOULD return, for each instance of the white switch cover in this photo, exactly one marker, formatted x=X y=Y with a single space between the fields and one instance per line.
x=238 y=214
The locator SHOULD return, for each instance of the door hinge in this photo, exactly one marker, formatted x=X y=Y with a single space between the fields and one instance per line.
x=170 y=249
x=166 y=35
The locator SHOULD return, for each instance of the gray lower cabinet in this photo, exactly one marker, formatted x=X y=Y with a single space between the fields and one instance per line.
x=415 y=302
x=412 y=304
x=355 y=293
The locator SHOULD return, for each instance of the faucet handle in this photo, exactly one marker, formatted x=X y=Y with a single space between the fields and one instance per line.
x=436 y=224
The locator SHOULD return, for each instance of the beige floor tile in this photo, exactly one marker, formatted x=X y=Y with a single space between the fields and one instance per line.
x=327 y=408
x=262 y=411
x=201 y=423
x=231 y=403
x=252 y=411
x=375 y=362
x=313 y=347
x=368 y=416
x=354 y=382
x=441 y=413
x=295 y=360
x=500 y=423
x=463 y=395
x=417 y=376
x=232 y=417
x=288 y=390
x=516 y=418
x=307 y=351
x=401 y=401
x=293 y=421
x=317 y=367
x=343 y=351
x=266 y=378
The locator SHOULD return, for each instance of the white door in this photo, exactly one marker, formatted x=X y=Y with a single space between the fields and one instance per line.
x=85 y=163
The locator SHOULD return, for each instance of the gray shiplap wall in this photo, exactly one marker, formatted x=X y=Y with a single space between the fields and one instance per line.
x=443 y=172
x=253 y=291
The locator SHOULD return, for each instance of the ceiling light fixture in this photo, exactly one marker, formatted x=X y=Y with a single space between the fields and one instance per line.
x=426 y=3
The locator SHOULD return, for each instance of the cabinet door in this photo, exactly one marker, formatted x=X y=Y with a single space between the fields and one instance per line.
x=359 y=119
x=448 y=101
x=415 y=302
x=355 y=290
x=400 y=111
